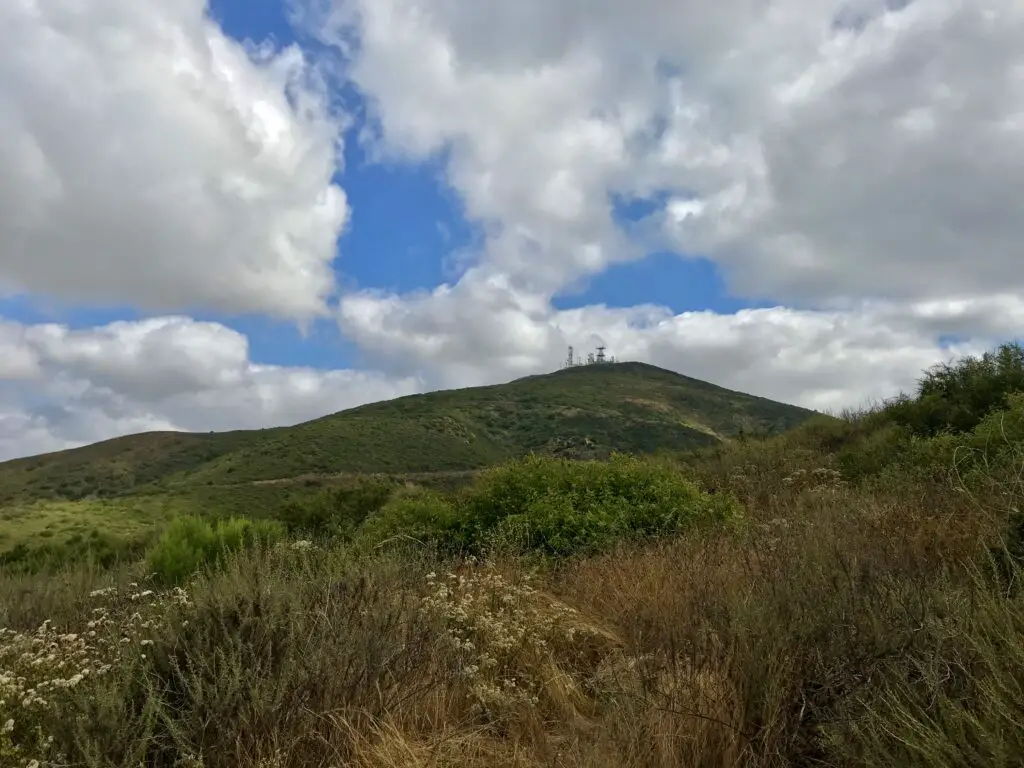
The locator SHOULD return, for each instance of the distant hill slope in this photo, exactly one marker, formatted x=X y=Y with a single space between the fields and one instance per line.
x=587 y=411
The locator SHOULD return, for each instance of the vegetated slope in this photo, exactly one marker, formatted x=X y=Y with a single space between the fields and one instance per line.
x=112 y=467
x=582 y=412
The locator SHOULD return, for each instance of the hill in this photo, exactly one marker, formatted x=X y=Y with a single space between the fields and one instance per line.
x=849 y=595
x=581 y=412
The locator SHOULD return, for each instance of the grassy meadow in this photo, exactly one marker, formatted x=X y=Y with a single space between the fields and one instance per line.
x=846 y=593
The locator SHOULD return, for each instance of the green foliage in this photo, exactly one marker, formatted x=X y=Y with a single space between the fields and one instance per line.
x=335 y=511
x=828 y=432
x=112 y=468
x=97 y=548
x=424 y=516
x=873 y=452
x=587 y=412
x=1001 y=428
x=190 y=543
x=980 y=460
x=956 y=397
x=966 y=417
x=556 y=507
x=992 y=464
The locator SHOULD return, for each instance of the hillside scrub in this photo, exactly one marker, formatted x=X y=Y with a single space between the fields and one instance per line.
x=584 y=412
x=190 y=543
x=555 y=507
x=98 y=548
x=955 y=397
x=864 y=611
x=334 y=511
x=820 y=637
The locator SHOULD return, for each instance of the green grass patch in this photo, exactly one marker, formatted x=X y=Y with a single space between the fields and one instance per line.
x=191 y=543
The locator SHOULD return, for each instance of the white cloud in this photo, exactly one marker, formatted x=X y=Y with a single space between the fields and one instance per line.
x=481 y=332
x=148 y=159
x=62 y=387
x=826 y=150
x=859 y=159
x=857 y=162
x=166 y=373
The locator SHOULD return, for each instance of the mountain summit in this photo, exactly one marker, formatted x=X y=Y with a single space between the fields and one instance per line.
x=582 y=412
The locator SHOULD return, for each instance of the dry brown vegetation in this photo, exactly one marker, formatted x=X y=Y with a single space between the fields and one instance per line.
x=852 y=617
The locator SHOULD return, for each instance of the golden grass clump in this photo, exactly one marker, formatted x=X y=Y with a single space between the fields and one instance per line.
x=515 y=646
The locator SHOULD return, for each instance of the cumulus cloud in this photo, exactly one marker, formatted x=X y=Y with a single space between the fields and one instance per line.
x=148 y=159
x=483 y=332
x=63 y=387
x=855 y=162
x=164 y=373
x=817 y=151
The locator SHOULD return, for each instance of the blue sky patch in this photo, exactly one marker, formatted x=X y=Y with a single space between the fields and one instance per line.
x=406 y=230
x=666 y=279
x=255 y=20
x=405 y=222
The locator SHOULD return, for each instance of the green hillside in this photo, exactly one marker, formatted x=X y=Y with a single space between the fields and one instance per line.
x=579 y=412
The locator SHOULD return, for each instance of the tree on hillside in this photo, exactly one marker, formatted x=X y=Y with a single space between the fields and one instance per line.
x=955 y=397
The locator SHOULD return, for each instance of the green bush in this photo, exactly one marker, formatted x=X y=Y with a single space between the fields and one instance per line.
x=190 y=543
x=1001 y=431
x=826 y=433
x=956 y=397
x=422 y=516
x=985 y=461
x=334 y=511
x=561 y=507
x=969 y=413
x=874 y=452
x=99 y=549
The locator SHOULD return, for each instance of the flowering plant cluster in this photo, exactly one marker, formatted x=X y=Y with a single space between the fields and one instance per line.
x=507 y=637
x=41 y=671
x=819 y=478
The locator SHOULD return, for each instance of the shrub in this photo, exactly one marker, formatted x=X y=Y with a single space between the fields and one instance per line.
x=515 y=646
x=956 y=397
x=984 y=461
x=189 y=543
x=874 y=452
x=422 y=516
x=43 y=672
x=965 y=413
x=954 y=699
x=100 y=549
x=273 y=661
x=825 y=432
x=335 y=511
x=968 y=413
x=560 y=507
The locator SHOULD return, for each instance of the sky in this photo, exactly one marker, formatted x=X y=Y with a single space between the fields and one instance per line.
x=250 y=213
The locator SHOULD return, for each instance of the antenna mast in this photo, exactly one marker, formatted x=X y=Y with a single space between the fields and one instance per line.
x=573 y=359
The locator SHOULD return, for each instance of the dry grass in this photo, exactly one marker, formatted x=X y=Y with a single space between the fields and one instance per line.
x=840 y=625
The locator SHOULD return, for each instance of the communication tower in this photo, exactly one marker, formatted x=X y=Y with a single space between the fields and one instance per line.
x=574 y=359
